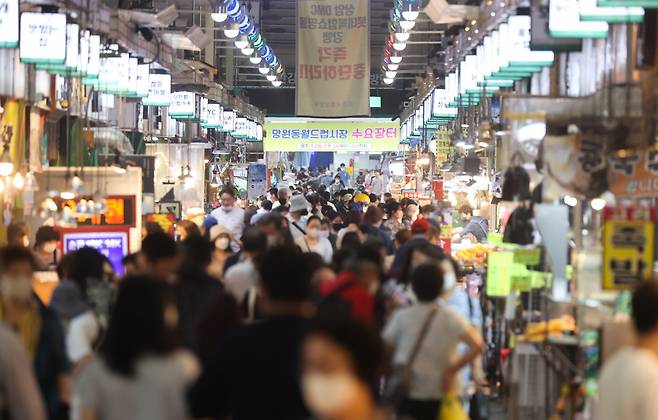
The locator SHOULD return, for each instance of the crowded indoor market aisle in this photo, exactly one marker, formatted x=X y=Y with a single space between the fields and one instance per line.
x=328 y=209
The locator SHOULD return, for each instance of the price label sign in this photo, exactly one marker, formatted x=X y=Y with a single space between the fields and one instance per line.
x=8 y=23
x=43 y=38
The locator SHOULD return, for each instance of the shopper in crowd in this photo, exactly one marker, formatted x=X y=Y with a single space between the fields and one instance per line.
x=341 y=367
x=296 y=216
x=372 y=220
x=377 y=185
x=195 y=289
x=273 y=195
x=282 y=199
x=83 y=300
x=244 y=275
x=229 y=214
x=19 y=393
x=395 y=221
x=254 y=373
x=150 y=228
x=438 y=330
x=344 y=176
x=411 y=212
x=420 y=235
x=18 y=234
x=353 y=220
x=187 y=228
x=45 y=248
x=276 y=228
x=629 y=378
x=313 y=241
x=476 y=229
x=160 y=257
x=37 y=327
x=220 y=244
x=140 y=372
x=130 y=264
x=427 y=211
x=327 y=231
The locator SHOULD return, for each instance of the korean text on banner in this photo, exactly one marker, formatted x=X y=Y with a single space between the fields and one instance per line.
x=333 y=58
x=331 y=136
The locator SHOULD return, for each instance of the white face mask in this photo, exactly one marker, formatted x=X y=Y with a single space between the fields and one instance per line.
x=449 y=281
x=328 y=394
x=49 y=247
x=313 y=233
x=227 y=209
x=324 y=234
x=16 y=289
x=222 y=243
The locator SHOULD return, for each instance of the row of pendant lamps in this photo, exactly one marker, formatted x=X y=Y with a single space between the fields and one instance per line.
x=402 y=20
x=249 y=40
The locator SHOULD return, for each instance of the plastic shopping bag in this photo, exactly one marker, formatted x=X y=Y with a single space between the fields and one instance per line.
x=451 y=408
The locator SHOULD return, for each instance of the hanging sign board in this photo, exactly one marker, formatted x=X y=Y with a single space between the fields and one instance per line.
x=628 y=243
x=159 y=91
x=8 y=23
x=589 y=10
x=564 y=22
x=634 y=173
x=331 y=135
x=183 y=105
x=94 y=56
x=240 y=130
x=214 y=116
x=143 y=71
x=43 y=38
x=499 y=273
x=228 y=125
x=333 y=58
x=203 y=115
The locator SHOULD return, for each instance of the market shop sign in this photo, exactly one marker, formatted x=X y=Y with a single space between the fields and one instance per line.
x=499 y=273
x=113 y=245
x=43 y=38
x=228 y=124
x=159 y=90
x=589 y=10
x=628 y=244
x=167 y=221
x=8 y=23
x=332 y=135
x=633 y=173
x=183 y=105
x=564 y=22
x=215 y=115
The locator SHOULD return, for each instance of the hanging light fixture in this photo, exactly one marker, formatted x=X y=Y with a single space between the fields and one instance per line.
x=232 y=30
x=241 y=42
x=255 y=58
x=399 y=46
x=407 y=25
x=388 y=81
x=390 y=74
x=277 y=83
x=401 y=35
x=393 y=67
x=18 y=182
x=411 y=11
x=248 y=50
x=271 y=77
x=263 y=69
x=395 y=59
x=214 y=181
x=220 y=14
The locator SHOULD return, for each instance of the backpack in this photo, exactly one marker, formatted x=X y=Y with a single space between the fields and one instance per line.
x=334 y=305
x=519 y=229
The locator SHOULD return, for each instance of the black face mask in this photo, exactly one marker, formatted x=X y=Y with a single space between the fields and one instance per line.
x=337 y=226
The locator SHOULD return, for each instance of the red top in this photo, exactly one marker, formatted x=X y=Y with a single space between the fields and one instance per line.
x=357 y=295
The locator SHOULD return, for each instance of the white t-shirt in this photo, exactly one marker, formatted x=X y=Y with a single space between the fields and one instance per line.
x=155 y=392
x=232 y=220
x=82 y=333
x=240 y=278
x=438 y=350
x=322 y=247
x=627 y=386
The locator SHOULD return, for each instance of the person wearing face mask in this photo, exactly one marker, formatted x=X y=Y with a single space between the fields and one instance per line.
x=313 y=241
x=38 y=327
x=229 y=214
x=45 y=248
x=341 y=364
x=238 y=279
x=435 y=330
x=220 y=241
x=140 y=372
x=373 y=221
x=159 y=257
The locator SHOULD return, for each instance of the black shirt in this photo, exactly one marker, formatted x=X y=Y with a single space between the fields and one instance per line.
x=254 y=373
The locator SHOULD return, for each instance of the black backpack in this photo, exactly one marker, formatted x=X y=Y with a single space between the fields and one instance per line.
x=334 y=306
x=519 y=229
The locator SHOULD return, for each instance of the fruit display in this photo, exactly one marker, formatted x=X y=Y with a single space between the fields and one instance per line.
x=473 y=255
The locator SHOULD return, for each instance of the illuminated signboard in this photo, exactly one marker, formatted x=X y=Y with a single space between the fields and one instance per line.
x=120 y=212
x=113 y=245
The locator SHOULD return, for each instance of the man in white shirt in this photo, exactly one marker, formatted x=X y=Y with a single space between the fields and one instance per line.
x=629 y=380
x=296 y=219
x=229 y=215
x=242 y=276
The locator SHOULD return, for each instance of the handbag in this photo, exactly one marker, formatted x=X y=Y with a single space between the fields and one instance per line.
x=399 y=382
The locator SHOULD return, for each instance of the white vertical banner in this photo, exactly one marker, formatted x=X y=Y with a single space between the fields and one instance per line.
x=333 y=58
